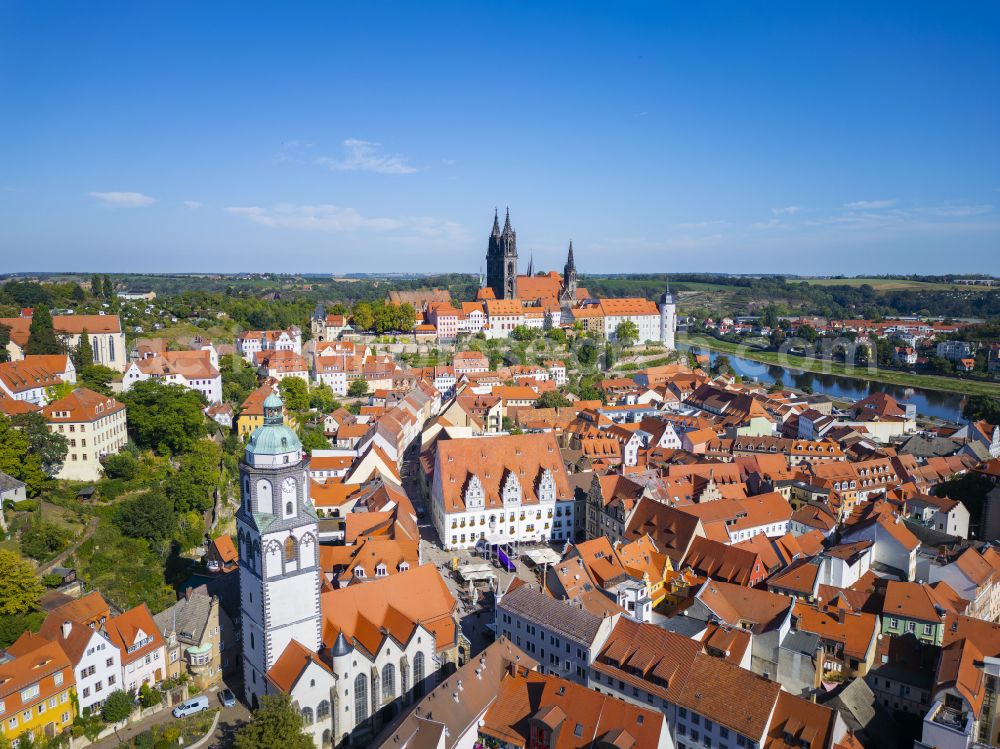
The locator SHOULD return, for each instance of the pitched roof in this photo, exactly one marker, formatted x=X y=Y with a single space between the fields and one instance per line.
x=562 y=617
x=493 y=461
x=578 y=717
x=291 y=664
x=730 y=695
x=123 y=631
x=440 y=713
x=391 y=606
x=82 y=405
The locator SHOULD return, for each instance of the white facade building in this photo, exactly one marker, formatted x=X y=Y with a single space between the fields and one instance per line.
x=501 y=490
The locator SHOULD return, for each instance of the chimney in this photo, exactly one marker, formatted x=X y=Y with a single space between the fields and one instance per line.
x=67 y=627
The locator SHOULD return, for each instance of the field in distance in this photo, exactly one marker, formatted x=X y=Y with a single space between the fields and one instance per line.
x=891 y=284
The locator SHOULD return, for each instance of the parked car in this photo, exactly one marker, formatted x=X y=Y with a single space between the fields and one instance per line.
x=192 y=706
x=227 y=698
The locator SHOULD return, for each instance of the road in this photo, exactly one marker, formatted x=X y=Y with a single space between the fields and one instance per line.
x=229 y=720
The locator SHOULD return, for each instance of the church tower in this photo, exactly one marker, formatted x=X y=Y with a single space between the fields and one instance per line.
x=568 y=291
x=279 y=549
x=668 y=319
x=501 y=259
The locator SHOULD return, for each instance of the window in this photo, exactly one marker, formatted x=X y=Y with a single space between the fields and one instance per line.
x=323 y=710
x=360 y=698
x=290 y=548
x=894 y=622
x=388 y=682
x=418 y=674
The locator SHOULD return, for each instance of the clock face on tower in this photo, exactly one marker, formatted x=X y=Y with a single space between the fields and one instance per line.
x=288 y=487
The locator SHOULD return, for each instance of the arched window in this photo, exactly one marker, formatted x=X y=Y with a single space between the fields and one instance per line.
x=307 y=716
x=388 y=682
x=323 y=710
x=404 y=679
x=290 y=549
x=360 y=698
x=288 y=508
x=418 y=674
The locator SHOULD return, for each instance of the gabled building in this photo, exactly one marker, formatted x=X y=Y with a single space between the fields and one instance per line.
x=499 y=490
x=142 y=648
x=94 y=426
x=36 y=685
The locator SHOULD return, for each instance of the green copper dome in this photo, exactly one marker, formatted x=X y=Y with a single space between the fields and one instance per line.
x=273 y=438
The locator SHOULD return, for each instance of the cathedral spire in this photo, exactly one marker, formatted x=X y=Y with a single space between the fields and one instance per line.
x=496 y=222
x=506 y=222
x=570 y=264
x=531 y=265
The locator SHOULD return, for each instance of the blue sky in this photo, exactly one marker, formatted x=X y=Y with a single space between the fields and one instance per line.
x=340 y=137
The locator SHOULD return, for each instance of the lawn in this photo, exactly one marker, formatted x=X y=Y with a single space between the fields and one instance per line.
x=892 y=377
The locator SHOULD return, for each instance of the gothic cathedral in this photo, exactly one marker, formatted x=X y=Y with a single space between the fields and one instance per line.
x=279 y=549
x=501 y=259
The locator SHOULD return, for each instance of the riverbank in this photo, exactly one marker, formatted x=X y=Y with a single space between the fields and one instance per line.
x=889 y=377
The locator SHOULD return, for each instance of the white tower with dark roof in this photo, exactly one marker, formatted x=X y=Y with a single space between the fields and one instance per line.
x=668 y=319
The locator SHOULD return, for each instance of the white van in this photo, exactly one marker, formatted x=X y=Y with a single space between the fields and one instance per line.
x=192 y=706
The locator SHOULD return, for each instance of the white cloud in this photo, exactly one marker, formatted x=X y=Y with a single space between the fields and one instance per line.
x=961 y=211
x=869 y=205
x=340 y=220
x=364 y=156
x=192 y=204
x=123 y=199
x=788 y=210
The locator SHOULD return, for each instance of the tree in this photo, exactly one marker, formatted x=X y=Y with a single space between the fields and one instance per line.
x=552 y=399
x=982 y=408
x=4 y=343
x=276 y=724
x=192 y=487
x=165 y=418
x=17 y=460
x=777 y=338
x=627 y=333
x=313 y=439
x=96 y=377
x=117 y=707
x=776 y=386
x=122 y=466
x=557 y=336
x=83 y=354
x=807 y=333
x=522 y=333
x=150 y=516
x=108 y=289
x=358 y=388
x=721 y=365
x=42 y=338
x=78 y=295
x=96 y=287
x=321 y=398
x=362 y=316
x=295 y=394
x=239 y=379
x=149 y=696
x=20 y=588
x=43 y=540
x=49 y=447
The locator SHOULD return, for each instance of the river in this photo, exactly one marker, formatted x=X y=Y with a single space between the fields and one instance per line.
x=934 y=403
